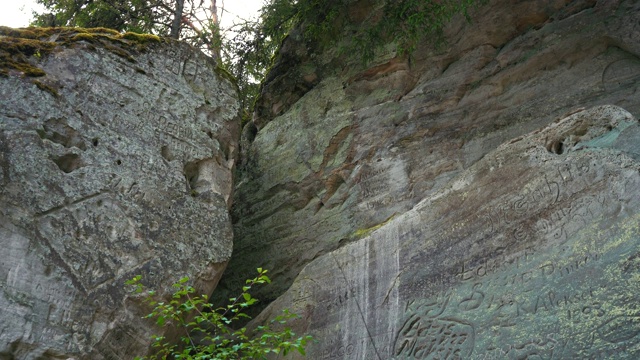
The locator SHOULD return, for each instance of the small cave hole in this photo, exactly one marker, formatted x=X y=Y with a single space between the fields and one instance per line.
x=250 y=132
x=68 y=163
x=191 y=173
x=119 y=162
x=166 y=153
x=59 y=132
x=556 y=147
x=94 y=141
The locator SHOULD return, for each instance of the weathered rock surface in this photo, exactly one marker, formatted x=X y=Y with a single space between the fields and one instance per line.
x=337 y=150
x=118 y=163
x=531 y=253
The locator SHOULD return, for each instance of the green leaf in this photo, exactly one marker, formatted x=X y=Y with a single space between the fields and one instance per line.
x=216 y=339
x=134 y=280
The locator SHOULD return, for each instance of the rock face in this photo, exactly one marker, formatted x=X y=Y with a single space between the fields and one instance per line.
x=422 y=236
x=531 y=253
x=336 y=150
x=117 y=162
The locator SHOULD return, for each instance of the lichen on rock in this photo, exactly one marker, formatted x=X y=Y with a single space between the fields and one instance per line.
x=126 y=171
x=354 y=145
x=529 y=251
x=23 y=49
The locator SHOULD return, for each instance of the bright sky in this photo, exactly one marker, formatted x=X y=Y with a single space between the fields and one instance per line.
x=17 y=13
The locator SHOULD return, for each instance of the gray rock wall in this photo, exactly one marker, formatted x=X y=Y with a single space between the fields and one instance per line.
x=362 y=145
x=120 y=165
x=410 y=210
x=531 y=253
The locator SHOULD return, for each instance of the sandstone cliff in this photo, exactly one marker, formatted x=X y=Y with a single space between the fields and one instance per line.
x=476 y=201
x=450 y=205
x=117 y=153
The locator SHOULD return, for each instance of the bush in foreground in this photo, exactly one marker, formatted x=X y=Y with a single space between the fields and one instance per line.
x=205 y=332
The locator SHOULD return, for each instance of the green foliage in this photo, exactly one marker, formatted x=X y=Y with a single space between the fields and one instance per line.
x=247 y=49
x=246 y=54
x=404 y=22
x=316 y=17
x=408 y=21
x=195 y=25
x=249 y=52
x=205 y=331
x=140 y=16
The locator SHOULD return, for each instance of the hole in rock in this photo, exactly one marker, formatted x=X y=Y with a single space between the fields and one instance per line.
x=59 y=132
x=191 y=175
x=250 y=132
x=119 y=162
x=166 y=153
x=68 y=163
x=94 y=141
x=555 y=147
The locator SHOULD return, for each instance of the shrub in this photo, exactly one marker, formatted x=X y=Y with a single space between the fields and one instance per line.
x=205 y=332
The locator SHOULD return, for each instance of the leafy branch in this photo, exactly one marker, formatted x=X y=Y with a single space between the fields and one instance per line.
x=205 y=332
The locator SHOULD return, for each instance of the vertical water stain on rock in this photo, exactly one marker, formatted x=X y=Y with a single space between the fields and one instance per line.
x=508 y=228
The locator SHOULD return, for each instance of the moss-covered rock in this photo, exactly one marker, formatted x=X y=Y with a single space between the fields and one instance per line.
x=116 y=159
x=22 y=50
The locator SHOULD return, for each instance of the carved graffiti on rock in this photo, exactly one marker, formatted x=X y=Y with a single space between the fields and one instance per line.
x=427 y=334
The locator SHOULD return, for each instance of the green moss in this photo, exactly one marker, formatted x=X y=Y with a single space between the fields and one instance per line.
x=101 y=30
x=84 y=37
x=120 y=52
x=19 y=54
x=45 y=87
x=362 y=233
x=140 y=38
x=227 y=75
x=22 y=50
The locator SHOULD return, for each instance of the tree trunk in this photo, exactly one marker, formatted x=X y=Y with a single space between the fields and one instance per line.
x=215 y=22
x=177 y=19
